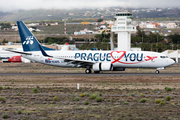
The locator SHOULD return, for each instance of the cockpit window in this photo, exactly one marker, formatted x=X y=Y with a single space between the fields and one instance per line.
x=164 y=56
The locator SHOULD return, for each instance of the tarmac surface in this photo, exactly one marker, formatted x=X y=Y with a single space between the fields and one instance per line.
x=92 y=74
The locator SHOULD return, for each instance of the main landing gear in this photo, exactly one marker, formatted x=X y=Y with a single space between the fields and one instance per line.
x=157 y=71
x=88 y=71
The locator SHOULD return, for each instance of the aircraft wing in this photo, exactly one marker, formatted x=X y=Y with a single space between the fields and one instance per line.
x=80 y=63
x=77 y=63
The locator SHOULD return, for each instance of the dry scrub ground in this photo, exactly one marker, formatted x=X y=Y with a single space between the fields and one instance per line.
x=109 y=97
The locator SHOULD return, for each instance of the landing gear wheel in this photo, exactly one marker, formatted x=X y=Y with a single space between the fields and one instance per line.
x=157 y=71
x=96 y=72
x=87 y=71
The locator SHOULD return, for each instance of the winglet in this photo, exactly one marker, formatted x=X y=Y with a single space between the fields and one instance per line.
x=43 y=52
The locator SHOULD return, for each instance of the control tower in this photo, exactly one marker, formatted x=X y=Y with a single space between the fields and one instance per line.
x=123 y=27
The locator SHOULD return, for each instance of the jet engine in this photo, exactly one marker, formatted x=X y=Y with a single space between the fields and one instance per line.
x=102 y=67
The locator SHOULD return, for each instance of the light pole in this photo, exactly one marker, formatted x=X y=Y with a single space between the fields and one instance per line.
x=177 y=44
x=177 y=53
x=43 y=39
x=151 y=47
x=172 y=45
x=15 y=39
x=157 y=43
x=142 y=38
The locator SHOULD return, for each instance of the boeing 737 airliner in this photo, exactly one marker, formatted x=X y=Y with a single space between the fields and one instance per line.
x=95 y=60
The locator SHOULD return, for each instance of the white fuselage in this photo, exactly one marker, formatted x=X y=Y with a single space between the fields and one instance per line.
x=122 y=59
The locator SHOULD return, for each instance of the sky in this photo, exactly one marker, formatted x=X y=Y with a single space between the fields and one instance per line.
x=13 y=5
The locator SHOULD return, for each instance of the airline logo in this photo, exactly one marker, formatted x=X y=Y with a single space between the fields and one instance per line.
x=117 y=56
x=134 y=58
x=29 y=40
x=49 y=60
x=93 y=57
x=128 y=57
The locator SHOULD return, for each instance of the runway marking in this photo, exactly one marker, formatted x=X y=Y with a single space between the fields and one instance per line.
x=83 y=74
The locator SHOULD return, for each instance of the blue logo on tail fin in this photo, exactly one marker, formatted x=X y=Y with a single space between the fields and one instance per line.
x=29 y=41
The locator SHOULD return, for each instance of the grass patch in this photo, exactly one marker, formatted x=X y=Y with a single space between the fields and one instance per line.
x=82 y=95
x=5 y=116
x=8 y=88
x=93 y=96
x=86 y=103
x=19 y=94
x=19 y=112
x=168 y=98
x=158 y=101
x=100 y=94
x=173 y=104
x=1 y=87
x=142 y=95
x=2 y=99
x=35 y=90
x=132 y=94
x=143 y=100
x=126 y=103
x=99 y=99
x=168 y=89
x=87 y=94
x=162 y=103
x=76 y=99
x=55 y=98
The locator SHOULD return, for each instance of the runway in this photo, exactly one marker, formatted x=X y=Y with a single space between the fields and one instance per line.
x=92 y=74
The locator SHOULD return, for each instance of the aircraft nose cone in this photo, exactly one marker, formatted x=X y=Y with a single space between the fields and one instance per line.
x=171 y=61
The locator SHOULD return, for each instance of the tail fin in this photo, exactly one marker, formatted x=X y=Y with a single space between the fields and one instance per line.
x=29 y=41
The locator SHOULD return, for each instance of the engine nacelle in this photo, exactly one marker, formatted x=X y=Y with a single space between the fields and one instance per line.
x=102 y=67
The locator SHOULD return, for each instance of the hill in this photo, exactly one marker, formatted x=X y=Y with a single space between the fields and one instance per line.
x=58 y=14
x=42 y=14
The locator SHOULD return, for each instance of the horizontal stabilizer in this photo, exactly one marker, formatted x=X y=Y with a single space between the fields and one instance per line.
x=24 y=53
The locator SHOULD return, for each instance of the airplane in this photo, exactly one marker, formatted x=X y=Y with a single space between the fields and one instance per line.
x=15 y=59
x=65 y=47
x=91 y=60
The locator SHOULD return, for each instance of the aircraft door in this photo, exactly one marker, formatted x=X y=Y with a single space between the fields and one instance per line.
x=36 y=57
x=42 y=58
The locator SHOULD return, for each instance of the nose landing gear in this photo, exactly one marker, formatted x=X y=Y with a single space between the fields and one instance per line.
x=157 y=70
